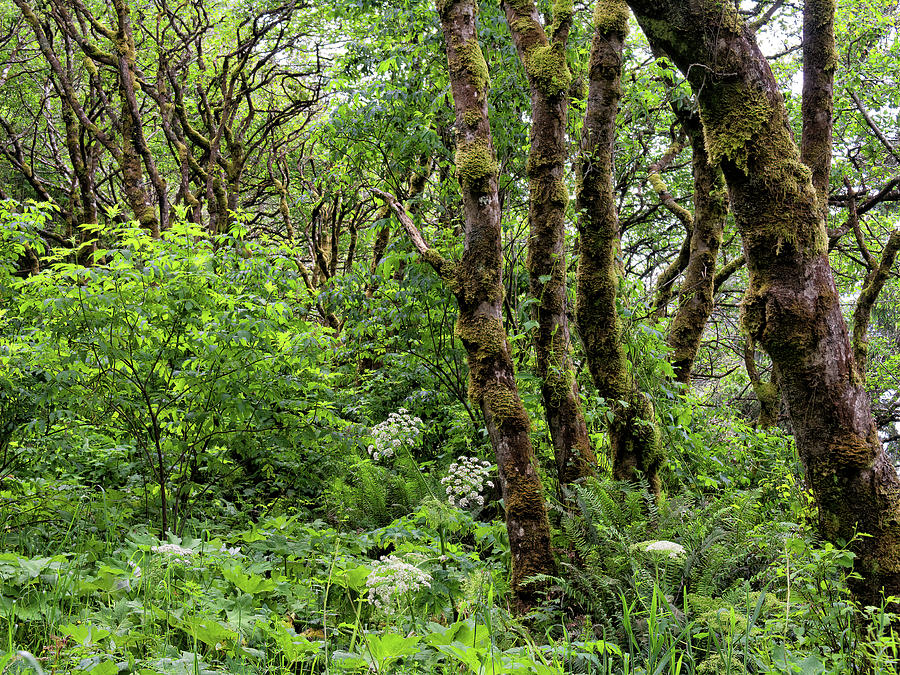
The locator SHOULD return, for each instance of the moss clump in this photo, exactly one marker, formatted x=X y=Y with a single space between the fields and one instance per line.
x=547 y=65
x=505 y=406
x=475 y=163
x=656 y=182
x=560 y=192
x=552 y=191
x=468 y=58
x=482 y=336
x=736 y=114
x=472 y=117
x=611 y=16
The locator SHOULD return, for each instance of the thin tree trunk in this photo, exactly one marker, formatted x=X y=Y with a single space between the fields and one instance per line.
x=634 y=436
x=819 y=61
x=548 y=76
x=477 y=283
x=792 y=307
x=695 y=297
x=862 y=314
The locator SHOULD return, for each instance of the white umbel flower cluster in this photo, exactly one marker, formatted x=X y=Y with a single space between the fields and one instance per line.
x=464 y=481
x=391 y=579
x=665 y=547
x=398 y=430
x=174 y=553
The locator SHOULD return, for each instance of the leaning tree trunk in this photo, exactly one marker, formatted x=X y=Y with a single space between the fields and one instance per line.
x=792 y=307
x=633 y=434
x=476 y=282
x=549 y=78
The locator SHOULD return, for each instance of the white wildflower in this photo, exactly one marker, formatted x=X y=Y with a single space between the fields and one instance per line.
x=391 y=579
x=669 y=547
x=465 y=480
x=174 y=553
x=399 y=430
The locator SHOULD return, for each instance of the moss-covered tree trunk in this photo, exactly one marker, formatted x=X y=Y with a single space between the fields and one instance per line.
x=792 y=307
x=634 y=437
x=695 y=297
x=819 y=61
x=543 y=55
x=476 y=282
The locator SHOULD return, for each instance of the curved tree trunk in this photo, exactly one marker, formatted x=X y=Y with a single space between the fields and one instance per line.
x=549 y=78
x=695 y=297
x=476 y=282
x=792 y=306
x=634 y=437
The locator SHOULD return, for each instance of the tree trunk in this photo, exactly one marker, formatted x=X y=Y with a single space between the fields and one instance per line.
x=792 y=306
x=634 y=437
x=695 y=298
x=819 y=61
x=549 y=78
x=477 y=283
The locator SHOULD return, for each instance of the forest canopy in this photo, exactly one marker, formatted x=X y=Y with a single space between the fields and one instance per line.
x=467 y=337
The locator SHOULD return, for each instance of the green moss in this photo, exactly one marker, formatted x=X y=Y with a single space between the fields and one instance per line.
x=656 y=182
x=524 y=24
x=731 y=121
x=611 y=16
x=475 y=163
x=446 y=268
x=725 y=17
x=482 y=336
x=472 y=117
x=506 y=408
x=525 y=500
x=469 y=58
x=547 y=65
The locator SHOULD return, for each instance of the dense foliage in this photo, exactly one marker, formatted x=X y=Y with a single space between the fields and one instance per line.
x=235 y=429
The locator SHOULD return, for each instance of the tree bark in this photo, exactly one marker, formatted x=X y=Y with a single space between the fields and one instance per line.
x=819 y=61
x=476 y=282
x=792 y=306
x=695 y=297
x=544 y=59
x=634 y=437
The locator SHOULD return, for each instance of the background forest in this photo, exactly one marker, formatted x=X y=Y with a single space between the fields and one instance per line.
x=352 y=338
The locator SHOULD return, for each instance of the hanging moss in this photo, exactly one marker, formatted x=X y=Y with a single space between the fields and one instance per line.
x=611 y=16
x=475 y=163
x=731 y=120
x=547 y=65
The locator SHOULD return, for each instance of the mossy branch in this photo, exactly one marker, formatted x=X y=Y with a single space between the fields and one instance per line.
x=445 y=268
